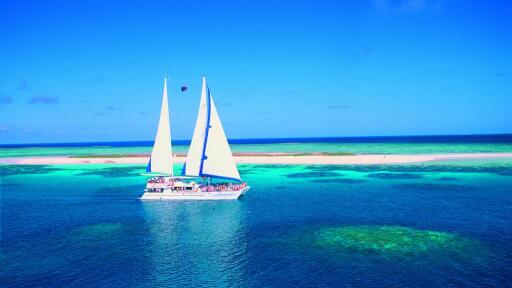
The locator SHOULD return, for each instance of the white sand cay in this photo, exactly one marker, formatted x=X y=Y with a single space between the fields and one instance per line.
x=269 y=159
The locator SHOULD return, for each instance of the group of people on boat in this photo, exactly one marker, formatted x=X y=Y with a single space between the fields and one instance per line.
x=155 y=180
x=169 y=182
x=222 y=187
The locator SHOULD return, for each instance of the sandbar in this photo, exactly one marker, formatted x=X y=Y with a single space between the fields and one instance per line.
x=254 y=158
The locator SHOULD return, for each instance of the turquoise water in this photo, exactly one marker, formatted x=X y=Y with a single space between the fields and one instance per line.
x=439 y=224
x=355 y=148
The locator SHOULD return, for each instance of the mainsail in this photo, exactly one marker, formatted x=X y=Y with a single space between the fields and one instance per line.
x=161 y=156
x=209 y=154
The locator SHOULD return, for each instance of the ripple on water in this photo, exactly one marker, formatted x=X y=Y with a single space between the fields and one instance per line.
x=433 y=187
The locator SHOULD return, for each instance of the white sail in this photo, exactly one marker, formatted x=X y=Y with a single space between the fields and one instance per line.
x=209 y=154
x=195 y=151
x=218 y=160
x=161 y=156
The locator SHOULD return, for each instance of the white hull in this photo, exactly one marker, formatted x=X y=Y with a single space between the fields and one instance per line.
x=190 y=195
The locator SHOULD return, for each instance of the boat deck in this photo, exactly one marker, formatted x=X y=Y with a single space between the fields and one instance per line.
x=195 y=195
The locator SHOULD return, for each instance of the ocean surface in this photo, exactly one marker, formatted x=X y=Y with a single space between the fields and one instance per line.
x=355 y=145
x=436 y=224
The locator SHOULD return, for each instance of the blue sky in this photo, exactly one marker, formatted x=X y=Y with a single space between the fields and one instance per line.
x=93 y=70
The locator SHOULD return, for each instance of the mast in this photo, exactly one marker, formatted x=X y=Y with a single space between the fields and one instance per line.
x=161 y=160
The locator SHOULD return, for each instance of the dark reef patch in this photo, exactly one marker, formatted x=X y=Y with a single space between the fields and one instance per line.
x=448 y=179
x=338 y=181
x=385 y=175
x=13 y=170
x=393 y=241
x=245 y=171
x=324 y=168
x=312 y=174
x=115 y=172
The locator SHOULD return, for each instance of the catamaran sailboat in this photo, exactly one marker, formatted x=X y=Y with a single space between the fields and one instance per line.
x=209 y=158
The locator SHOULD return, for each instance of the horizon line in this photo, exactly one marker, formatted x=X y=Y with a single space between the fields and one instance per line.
x=6 y=145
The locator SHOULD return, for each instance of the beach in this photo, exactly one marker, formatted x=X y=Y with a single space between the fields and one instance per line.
x=266 y=158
